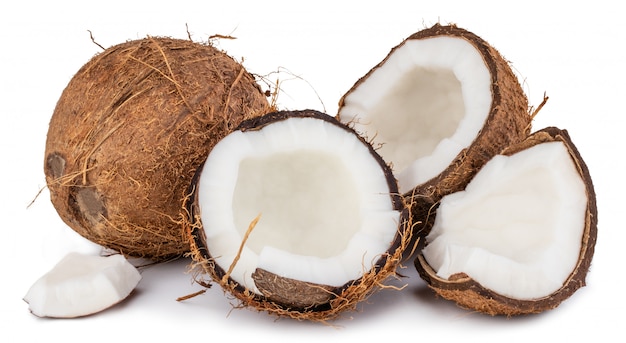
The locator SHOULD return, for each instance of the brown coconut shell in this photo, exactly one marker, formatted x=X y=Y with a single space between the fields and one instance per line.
x=469 y=294
x=287 y=297
x=128 y=133
x=508 y=123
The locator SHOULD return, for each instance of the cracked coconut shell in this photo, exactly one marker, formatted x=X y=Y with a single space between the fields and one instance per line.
x=506 y=122
x=468 y=293
x=128 y=133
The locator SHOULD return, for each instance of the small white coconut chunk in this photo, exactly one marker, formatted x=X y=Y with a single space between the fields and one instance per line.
x=325 y=210
x=81 y=285
x=425 y=104
x=517 y=228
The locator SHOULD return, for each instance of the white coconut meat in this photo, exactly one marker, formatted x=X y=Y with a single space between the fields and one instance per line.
x=422 y=106
x=324 y=202
x=517 y=228
x=81 y=285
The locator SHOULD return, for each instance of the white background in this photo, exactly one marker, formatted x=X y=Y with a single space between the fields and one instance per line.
x=574 y=52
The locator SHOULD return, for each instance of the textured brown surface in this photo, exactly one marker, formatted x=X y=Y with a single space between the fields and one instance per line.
x=291 y=292
x=128 y=133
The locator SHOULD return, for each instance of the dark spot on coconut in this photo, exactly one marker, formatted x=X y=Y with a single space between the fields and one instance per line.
x=88 y=204
x=55 y=165
x=292 y=293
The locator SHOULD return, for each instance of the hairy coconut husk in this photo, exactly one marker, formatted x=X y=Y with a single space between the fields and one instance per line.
x=469 y=294
x=128 y=133
x=508 y=123
x=291 y=298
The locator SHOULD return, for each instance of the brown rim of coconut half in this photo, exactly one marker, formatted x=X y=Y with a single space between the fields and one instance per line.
x=438 y=106
x=310 y=221
x=469 y=293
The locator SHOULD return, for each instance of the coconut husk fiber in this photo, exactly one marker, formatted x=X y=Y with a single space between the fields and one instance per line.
x=128 y=133
x=329 y=303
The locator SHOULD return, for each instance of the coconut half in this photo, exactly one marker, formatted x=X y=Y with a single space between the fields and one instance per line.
x=81 y=285
x=440 y=105
x=296 y=214
x=130 y=130
x=520 y=238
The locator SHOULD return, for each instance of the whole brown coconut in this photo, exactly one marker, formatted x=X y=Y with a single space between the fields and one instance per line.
x=440 y=105
x=464 y=288
x=128 y=133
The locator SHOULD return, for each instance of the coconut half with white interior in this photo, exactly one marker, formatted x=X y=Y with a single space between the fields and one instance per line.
x=440 y=105
x=296 y=214
x=520 y=238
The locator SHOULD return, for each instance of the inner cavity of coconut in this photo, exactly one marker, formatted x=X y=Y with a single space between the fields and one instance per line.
x=518 y=226
x=325 y=211
x=422 y=106
x=304 y=197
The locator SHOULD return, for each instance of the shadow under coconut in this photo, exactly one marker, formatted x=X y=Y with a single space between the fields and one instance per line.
x=406 y=294
x=112 y=311
x=410 y=294
x=427 y=298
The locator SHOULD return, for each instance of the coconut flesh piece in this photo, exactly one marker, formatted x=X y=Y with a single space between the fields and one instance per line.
x=426 y=103
x=517 y=227
x=81 y=285
x=326 y=208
